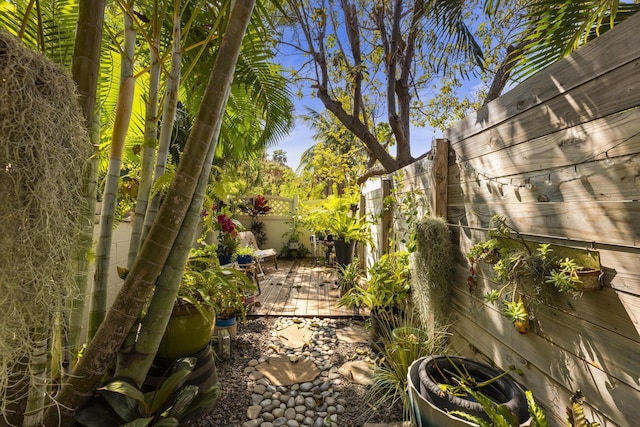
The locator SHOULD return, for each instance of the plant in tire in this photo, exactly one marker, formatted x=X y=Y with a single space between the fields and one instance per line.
x=445 y=381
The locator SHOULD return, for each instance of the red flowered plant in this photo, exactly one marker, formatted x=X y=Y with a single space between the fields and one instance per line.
x=218 y=219
x=227 y=234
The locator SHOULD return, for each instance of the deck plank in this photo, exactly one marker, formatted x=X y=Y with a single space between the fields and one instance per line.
x=299 y=288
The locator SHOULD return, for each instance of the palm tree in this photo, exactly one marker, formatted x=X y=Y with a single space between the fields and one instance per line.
x=120 y=127
x=336 y=160
x=157 y=245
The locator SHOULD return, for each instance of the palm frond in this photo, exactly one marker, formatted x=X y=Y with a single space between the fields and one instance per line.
x=49 y=28
x=557 y=28
x=448 y=17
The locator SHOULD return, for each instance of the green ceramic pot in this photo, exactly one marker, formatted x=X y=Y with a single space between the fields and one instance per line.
x=187 y=333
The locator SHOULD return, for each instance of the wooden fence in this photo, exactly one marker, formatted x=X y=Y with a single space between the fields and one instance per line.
x=558 y=157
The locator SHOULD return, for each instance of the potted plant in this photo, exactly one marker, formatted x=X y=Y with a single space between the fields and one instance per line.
x=568 y=276
x=516 y=261
x=256 y=207
x=438 y=388
x=229 y=298
x=225 y=228
x=335 y=217
x=401 y=346
x=206 y=293
x=244 y=254
x=386 y=292
x=348 y=276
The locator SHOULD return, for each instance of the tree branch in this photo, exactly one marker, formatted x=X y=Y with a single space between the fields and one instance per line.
x=358 y=128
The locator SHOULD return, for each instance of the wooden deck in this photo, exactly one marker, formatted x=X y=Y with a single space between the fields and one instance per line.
x=300 y=287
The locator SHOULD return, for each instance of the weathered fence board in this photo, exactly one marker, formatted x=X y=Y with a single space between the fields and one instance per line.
x=596 y=182
x=601 y=98
x=591 y=61
x=589 y=221
x=614 y=136
x=549 y=370
x=559 y=157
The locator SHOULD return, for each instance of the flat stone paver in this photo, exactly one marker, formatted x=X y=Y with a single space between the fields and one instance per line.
x=282 y=371
x=353 y=334
x=357 y=371
x=295 y=336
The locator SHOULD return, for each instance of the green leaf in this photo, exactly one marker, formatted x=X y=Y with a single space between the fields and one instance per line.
x=186 y=396
x=167 y=422
x=472 y=418
x=204 y=399
x=123 y=387
x=123 y=397
x=156 y=400
x=538 y=417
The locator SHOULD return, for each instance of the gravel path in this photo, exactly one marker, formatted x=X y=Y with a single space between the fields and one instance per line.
x=331 y=397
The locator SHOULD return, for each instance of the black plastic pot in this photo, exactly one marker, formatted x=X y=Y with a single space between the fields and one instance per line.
x=504 y=391
x=344 y=251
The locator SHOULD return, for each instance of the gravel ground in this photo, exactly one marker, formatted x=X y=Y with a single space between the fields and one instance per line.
x=252 y=342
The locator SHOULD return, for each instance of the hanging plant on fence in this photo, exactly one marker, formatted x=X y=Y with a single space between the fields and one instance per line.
x=515 y=261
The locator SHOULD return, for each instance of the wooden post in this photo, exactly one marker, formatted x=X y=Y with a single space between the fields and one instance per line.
x=387 y=216
x=440 y=179
x=361 y=245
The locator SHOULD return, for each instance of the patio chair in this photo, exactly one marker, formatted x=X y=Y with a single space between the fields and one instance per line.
x=248 y=239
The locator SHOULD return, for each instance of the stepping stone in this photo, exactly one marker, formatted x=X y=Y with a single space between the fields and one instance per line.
x=295 y=336
x=281 y=371
x=357 y=371
x=353 y=334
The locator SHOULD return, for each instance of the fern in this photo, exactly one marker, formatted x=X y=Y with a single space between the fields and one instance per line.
x=537 y=416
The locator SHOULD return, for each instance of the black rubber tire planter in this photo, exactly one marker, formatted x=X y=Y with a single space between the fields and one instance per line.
x=503 y=391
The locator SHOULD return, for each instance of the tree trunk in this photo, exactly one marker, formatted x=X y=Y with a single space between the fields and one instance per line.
x=148 y=152
x=154 y=252
x=85 y=68
x=168 y=118
x=136 y=364
x=360 y=130
x=109 y=201
x=77 y=304
x=502 y=73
